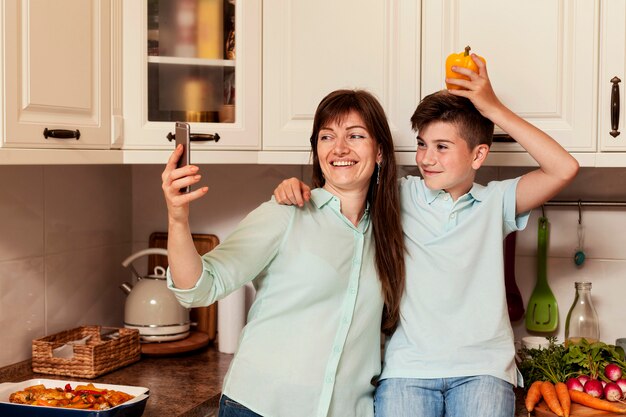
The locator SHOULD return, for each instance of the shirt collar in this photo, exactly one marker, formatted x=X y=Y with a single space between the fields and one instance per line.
x=477 y=192
x=320 y=197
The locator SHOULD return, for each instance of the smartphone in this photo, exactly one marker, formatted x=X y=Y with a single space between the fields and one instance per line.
x=182 y=137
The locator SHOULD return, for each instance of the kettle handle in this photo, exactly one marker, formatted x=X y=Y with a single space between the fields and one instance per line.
x=149 y=251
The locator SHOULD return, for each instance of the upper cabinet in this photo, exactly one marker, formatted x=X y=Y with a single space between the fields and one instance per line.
x=541 y=57
x=612 y=98
x=57 y=74
x=115 y=75
x=191 y=60
x=311 y=48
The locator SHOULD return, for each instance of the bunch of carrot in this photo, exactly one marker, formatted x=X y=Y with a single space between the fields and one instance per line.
x=558 y=399
x=556 y=396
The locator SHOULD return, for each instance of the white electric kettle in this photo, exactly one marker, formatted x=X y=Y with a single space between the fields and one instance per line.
x=151 y=307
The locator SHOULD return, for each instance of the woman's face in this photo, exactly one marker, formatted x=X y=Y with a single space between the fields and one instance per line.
x=347 y=154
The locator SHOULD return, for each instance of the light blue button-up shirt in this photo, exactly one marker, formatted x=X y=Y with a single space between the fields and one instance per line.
x=311 y=345
x=454 y=317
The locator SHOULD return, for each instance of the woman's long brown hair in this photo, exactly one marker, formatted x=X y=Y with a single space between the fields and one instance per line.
x=382 y=196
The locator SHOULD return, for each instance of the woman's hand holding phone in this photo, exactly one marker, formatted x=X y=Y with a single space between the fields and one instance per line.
x=174 y=179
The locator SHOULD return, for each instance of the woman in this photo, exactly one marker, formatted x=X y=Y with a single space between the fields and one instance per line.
x=322 y=274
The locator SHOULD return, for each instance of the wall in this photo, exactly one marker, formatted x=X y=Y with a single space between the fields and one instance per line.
x=235 y=190
x=64 y=232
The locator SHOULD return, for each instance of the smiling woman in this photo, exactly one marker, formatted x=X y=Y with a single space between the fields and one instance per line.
x=347 y=154
x=335 y=265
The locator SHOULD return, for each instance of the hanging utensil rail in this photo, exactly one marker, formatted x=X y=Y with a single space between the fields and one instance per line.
x=578 y=203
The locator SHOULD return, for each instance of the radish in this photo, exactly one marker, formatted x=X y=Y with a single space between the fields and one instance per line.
x=593 y=387
x=583 y=379
x=613 y=372
x=622 y=384
x=574 y=383
x=613 y=392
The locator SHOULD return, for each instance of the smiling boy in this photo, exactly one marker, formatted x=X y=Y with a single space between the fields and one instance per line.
x=452 y=353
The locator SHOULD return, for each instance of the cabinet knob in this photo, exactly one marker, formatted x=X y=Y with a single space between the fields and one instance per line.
x=61 y=133
x=197 y=137
x=615 y=107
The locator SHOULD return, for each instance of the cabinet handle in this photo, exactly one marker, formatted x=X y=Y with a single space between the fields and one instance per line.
x=61 y=133
x=502 y=138
x=615 y=107
x=197 y=137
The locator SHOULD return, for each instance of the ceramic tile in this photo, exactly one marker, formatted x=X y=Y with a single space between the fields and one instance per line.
x=82 y=287
x=21 y=212
x=22 y=313
x=606 y=277
x=86 y=206
x=234 y=191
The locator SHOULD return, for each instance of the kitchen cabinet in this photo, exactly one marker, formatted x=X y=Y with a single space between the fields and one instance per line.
x=57 y=74
x=612 y=78
x=311 y=48
x=196 y=61
x=541 y=58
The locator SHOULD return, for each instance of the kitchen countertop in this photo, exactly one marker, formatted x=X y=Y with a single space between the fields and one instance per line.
x=185 y=385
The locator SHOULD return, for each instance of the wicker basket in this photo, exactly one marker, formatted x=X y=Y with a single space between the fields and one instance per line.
x=99 y=354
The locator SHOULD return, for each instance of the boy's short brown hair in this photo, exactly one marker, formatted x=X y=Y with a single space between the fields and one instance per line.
x=442 y=106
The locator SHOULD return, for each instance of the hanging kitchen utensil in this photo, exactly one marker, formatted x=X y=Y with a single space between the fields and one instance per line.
x=579 y=255
x=542 y=313
x=514 y=299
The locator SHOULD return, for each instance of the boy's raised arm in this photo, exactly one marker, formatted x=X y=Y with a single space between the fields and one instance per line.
x=557 y=168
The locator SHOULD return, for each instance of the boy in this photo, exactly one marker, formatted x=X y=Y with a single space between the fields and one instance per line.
x=452 y=353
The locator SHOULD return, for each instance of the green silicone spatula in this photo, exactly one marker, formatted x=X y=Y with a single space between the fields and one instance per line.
x=542 y=314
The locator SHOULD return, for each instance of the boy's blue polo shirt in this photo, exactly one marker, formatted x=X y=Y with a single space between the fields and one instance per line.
x=454 y=317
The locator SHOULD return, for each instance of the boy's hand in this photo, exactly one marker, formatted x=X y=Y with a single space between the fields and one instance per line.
x=478 y=88
x=557 y=168
x=291 y=192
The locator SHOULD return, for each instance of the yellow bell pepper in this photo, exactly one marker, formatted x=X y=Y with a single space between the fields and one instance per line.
x=463 y=60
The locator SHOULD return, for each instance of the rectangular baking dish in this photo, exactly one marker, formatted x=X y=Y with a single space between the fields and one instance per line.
x=132 y=408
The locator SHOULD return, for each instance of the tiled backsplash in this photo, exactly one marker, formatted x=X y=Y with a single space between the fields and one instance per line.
x=65 y=231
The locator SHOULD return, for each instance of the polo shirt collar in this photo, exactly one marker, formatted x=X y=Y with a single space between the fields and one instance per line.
x=477 y=192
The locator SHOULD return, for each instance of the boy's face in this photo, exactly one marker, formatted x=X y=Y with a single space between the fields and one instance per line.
x=445 y=160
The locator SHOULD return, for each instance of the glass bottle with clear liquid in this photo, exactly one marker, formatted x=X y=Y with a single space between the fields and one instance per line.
x=582 y=319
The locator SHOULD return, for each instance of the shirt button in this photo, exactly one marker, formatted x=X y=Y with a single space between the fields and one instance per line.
x=336 y=349
x=453 y=215
x=329 y=379
x=445 y=197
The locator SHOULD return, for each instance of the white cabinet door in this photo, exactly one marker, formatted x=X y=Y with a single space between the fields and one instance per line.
x=57 y=73
x=186 y=73
x=612 y=97
x=311 y=48
x=541 y=58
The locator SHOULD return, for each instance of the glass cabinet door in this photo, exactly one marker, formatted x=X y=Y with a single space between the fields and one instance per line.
x=200 y=63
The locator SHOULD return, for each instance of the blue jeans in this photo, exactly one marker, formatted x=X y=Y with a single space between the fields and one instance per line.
x=473 y=396
x=231 y=408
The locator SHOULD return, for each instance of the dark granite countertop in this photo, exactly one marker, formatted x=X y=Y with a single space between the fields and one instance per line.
x=185 y=385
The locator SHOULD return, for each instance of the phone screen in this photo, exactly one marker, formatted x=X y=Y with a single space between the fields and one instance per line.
x=182 y=137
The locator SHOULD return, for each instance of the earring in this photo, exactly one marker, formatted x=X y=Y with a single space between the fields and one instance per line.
x=378 y=174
